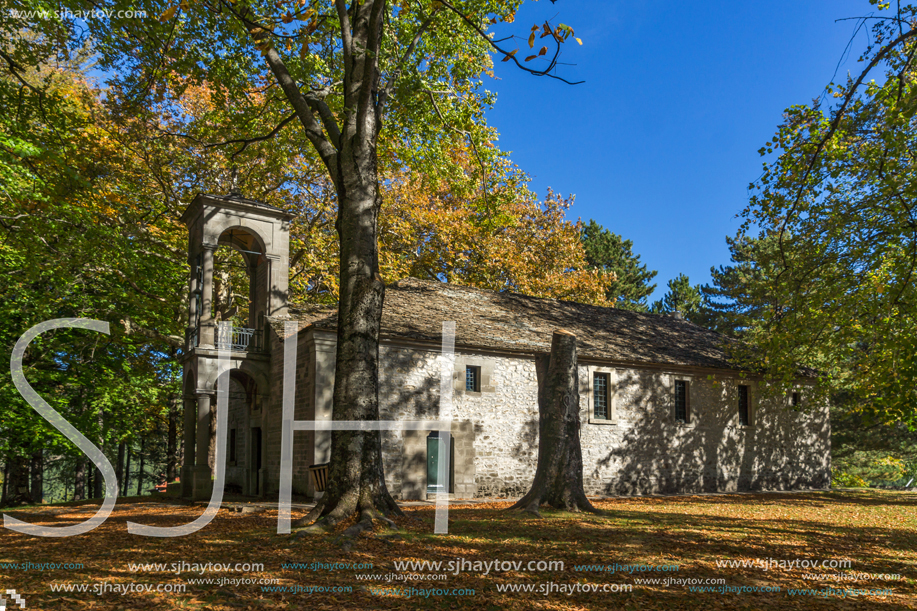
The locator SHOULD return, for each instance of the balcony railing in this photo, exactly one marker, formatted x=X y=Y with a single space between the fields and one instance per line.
x=241 y=339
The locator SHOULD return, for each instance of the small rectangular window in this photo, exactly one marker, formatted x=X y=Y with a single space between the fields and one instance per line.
x=232 y=445
x=743 y=405
x=681 y=401
x=600 y=396
x=473 y=378
x=795 y=400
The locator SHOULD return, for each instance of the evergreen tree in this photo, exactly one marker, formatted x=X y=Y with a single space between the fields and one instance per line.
x=681 y=297
x=610 y=252
x=733 y=301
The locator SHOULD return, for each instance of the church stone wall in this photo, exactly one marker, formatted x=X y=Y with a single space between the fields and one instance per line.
x=648 y=451
x=642 y=449
x=273 y=416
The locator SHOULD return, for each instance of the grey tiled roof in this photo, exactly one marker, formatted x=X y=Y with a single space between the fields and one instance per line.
x=415 y=310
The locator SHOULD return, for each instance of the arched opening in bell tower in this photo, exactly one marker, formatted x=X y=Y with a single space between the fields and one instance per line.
x=240 y=286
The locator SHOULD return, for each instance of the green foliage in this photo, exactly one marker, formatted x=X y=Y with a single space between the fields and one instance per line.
x=735 y=299
x=682 y=297
x=835 y=285
x=869 y=451
x=437 y=88
x=843 y=479
x=76 y=244
x=609 y=252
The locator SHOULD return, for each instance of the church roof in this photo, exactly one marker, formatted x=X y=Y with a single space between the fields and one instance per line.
x=415 y=310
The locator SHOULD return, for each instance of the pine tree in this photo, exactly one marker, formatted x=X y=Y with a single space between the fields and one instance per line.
x=610 y=252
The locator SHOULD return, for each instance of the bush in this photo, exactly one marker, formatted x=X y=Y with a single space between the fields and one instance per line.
x=843 y=479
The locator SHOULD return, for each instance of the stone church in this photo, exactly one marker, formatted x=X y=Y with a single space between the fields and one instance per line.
x=662 y=410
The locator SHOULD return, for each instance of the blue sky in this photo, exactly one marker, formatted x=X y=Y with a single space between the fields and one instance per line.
x=660 y=143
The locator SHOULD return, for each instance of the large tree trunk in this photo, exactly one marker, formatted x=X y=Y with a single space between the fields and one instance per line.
x=356 y=482
x=355 y=479
x=559 y=476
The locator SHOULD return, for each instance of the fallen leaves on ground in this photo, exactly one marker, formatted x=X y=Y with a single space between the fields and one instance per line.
x=875 y=531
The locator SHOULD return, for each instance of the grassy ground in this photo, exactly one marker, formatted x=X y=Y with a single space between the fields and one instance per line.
x=875 y=531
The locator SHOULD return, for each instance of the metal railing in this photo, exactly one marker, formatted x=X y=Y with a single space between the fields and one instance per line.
x=241 y=339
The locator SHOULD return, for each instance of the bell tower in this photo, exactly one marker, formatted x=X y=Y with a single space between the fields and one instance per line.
x=260 y=235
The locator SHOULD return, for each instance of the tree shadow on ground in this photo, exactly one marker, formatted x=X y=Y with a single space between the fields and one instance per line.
x=692 y=532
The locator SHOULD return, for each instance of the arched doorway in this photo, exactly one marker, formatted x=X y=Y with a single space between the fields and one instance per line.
x=244 y=457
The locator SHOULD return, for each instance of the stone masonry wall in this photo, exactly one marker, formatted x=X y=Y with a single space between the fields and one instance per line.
x=273 y=416
x=642 y=449
x=647 y=451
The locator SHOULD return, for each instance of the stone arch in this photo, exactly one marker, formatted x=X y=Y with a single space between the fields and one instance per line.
x=244 y=455
x=241 y=236
x=189 y=379
x=248 y=248
x=243 y=367
x=215 y=231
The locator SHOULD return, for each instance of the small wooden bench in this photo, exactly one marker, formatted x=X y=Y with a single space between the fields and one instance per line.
x=319 y=475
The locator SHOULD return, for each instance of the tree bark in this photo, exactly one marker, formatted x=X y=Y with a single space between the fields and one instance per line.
x=142 y=465
x=212 y=449
x=96 y=483
x=558 y=478
x=96 y=474
x=79 y=478
x=119 y=468
x=127 y=468
x=356 y=483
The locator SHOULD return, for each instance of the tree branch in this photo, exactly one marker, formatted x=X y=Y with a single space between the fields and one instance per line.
x=16 y=70
x=346 y=33
x=390 y=85
x=247 y=141
x=468 y=135
x=132 y=328
x=316 y=100
x=483 y=34
x=124 y=276
x=832 y=129
x=297 y=100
